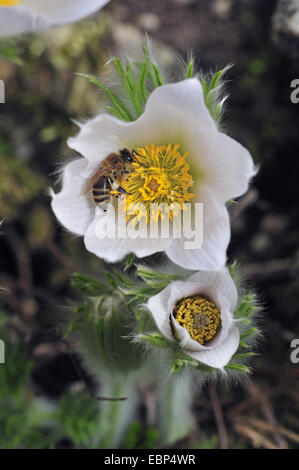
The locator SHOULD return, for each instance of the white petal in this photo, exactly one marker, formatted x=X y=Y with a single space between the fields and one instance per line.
x=100 y=136
x=158 y=305
x=64 y=11
x=72 y=208
x=216 y=237
x=226 y=165
x=219 y=281
x=219 y=356
x=171 y=112
x=18 y=20
x=115 y=249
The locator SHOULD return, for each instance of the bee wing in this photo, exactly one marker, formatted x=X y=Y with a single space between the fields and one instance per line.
x=102 y=171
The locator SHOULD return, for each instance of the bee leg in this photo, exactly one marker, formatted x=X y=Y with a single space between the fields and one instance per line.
x=135 y=153
x=122 y=190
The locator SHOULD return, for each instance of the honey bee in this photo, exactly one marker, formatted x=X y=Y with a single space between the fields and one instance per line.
x=108 y=176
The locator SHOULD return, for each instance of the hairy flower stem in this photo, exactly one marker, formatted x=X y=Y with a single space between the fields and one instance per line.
x=115 y=416
x=175 y=402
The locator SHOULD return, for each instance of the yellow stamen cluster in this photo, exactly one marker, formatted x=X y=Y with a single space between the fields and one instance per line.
x=9 y=3
x=199 y=316
x=160 y=175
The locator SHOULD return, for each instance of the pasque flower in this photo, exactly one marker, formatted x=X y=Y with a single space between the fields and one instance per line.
x=197 y=313
x=182 y=158
x=20 y=16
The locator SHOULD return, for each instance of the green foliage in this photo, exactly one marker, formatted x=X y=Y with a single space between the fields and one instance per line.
x=245 y=315
x=182 y=361
x=103 y=339
x=155 y=281
x=153 y=338
x=179 y=364
x=150 y=439
x=78 y=417
x=132 y=436
x=28 y=422
x=101 y=322
x=118 y=108
x=138 y=438
x=20 y=423
x=246 y=308
x=129 y=261
x=233 y=270
x=89 y=286
x=9 y=50
x=136 y=80
x=144 y=292
x=23 y=427
x=237 y=367
x=15 y=372
x=16 y=402
x=190 y=69
x=153 y=275
x=12 y=421
x=212 y=89
x=208 y=443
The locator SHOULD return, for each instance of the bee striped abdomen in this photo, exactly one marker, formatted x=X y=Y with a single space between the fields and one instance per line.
x=101 y=190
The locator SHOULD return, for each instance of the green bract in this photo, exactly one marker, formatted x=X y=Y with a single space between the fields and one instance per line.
x=137 y=79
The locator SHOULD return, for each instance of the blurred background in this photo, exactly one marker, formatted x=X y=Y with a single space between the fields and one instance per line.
x=43 y=95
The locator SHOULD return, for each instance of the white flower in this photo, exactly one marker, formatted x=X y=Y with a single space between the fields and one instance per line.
x=207 y=296
x=176 y=121
x=20 y=16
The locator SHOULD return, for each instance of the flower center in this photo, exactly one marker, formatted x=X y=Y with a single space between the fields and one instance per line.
x=160 y=175
x=199 y=316
x=9 y=3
